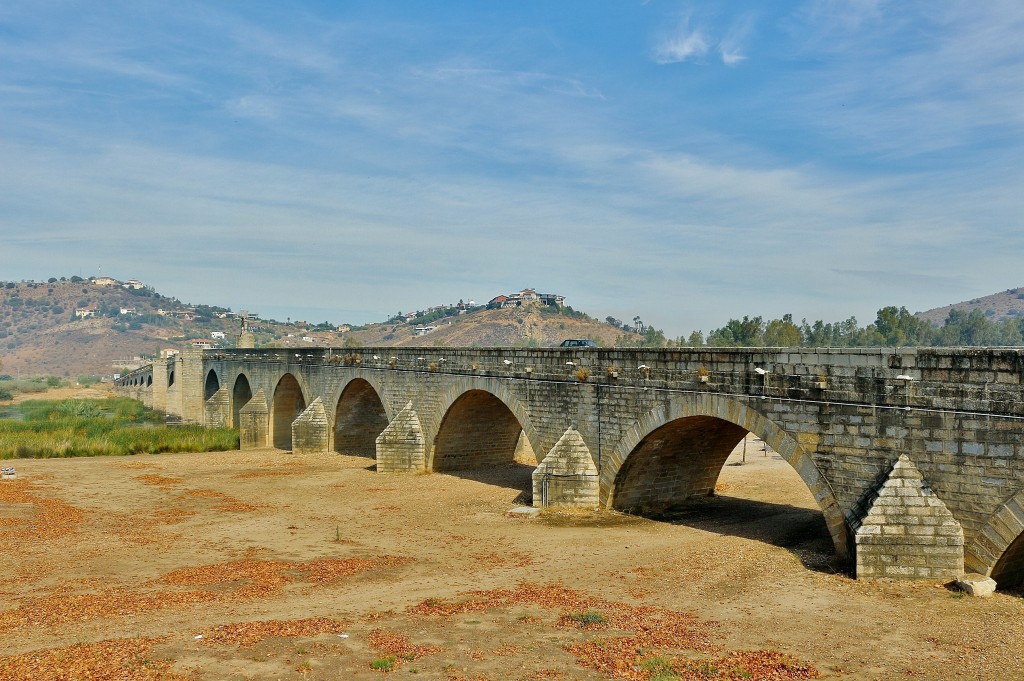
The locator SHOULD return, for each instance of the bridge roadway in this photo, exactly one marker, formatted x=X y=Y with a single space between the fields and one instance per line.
x=914 y=455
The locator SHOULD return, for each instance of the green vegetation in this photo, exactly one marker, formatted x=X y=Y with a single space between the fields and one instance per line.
x=586 y=619
x=893 y=327
x=37 y=384
x=113 y=426
x=384 y=664
x=660 y=669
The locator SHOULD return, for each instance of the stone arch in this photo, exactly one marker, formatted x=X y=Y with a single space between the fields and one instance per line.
x=289 y=401
x=478 y=429
x=212 y=384
x=149 y=380
x=724 y=422
x=998 y=548
x=241 y=393
x=170 y=378
x=359 y=418
x=498 y=389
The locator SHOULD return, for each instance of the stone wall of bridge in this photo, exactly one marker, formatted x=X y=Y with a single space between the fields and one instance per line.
x=658 y=423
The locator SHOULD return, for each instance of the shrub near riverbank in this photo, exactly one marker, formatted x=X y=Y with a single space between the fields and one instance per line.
x=115 y=426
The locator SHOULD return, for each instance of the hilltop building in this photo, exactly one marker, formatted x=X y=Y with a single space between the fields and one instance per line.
x=527 y=295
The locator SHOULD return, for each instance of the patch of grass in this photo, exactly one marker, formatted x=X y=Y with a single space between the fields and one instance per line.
x=384 y=664
x=660 y=669
x=588 y=618
x=108 y=427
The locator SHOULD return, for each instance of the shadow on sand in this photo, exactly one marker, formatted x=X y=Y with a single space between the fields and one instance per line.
x=801 y=531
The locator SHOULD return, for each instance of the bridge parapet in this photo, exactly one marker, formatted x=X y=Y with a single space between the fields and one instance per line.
x=960 y=379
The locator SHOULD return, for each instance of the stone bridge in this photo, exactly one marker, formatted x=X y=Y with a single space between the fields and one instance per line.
x=914 y=456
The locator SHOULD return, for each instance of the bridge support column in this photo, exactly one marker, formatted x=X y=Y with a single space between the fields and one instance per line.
x=193 y=402
x=401 y=446
x=159 y=388
x=567 y=476
x=310 y=429
x=254 y=422
x=908 y=533
x=218 y=410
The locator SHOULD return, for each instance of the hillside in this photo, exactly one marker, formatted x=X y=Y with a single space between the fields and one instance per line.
x=533 y=325
x=996 y=307
x=124 y=325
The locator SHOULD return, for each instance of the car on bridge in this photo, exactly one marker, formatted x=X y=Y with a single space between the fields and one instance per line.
x=578 y=343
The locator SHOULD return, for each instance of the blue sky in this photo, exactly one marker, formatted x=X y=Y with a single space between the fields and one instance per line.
x=685 y=162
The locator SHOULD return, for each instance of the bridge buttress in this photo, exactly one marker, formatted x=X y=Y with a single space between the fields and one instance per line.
x=908 y=532
x=254 y=422
x=310 y=429
x=401 y=446
x=218 y=409
x=567 y=476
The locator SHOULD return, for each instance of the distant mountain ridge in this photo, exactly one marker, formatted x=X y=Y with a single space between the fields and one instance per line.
x=1000 y=306
x=71 y=327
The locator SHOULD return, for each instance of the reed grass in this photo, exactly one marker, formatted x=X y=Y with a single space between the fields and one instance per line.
x=109 y=427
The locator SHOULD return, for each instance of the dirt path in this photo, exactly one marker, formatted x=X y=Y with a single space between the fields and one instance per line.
x=126 y=561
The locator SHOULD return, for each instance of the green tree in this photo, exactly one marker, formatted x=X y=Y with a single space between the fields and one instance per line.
x=782 y=333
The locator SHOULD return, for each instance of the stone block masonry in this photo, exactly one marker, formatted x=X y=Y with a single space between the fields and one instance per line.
x=657 y=425
x=908 y=531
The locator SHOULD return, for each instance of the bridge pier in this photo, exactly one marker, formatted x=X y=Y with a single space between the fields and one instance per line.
x=254 y=422
x=567 y=476
x=402 y=447
x=908 y=532
x=310 y=430
x=218 y=409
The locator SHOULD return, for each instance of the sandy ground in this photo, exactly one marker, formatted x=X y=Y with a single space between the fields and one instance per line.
x=270 y=565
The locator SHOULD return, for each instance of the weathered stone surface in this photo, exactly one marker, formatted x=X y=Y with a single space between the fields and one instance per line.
x=974 y=584
x=567 y=476
x=218 y=409
x=311 y=430
x=254 y=422
x=908 y=532
x=401 y=446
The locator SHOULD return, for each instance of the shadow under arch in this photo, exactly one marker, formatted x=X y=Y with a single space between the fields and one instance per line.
x=497 y=388
x=479 y=436
x=289 y=401
x=710 y=426
x=212 y=384
x=998 y=549
x=359 y=417
x=241 y=393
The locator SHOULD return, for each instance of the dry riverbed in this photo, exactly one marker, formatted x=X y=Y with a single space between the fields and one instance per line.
x=270 y=565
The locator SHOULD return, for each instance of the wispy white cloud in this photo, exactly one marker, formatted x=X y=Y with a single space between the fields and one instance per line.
x=696 y=35
x=731 y=46
x=682 y=44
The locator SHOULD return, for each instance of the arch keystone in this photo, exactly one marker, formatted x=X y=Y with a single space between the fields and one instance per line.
x=567 y=476
x=908 y=533
x=254 y=422
x=401 y=446
x=311 y=430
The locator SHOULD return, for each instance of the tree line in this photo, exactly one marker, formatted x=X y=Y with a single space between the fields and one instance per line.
x=893 y=327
